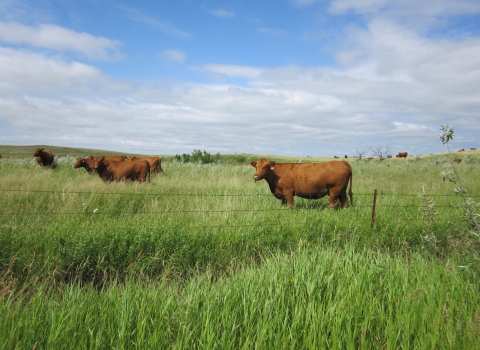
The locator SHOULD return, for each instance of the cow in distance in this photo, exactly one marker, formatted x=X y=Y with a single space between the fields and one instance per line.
x=154 y=161
x=89 y=163
x=44 y=157
x=116 y=170
x=308 y=180
x=402 y=155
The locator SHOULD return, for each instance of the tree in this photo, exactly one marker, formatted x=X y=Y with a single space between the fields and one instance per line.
x=381 y=152
x=360 y=154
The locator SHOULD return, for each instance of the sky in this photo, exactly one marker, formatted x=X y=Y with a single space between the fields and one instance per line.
x=284 y=77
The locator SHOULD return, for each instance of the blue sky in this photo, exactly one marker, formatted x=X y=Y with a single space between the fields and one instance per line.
x=292 y=77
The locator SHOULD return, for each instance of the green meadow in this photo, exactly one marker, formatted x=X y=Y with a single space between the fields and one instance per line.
x=204 y=257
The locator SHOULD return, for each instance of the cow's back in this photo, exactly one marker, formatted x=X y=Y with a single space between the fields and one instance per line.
x=312 y=176
x=129 y=170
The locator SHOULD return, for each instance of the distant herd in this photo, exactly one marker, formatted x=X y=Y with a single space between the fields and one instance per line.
x=285 y=180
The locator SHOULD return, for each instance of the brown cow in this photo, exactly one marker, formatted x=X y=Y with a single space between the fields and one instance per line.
x=335 y=157
x=44 y=157
x=458 y=161
x=472 y=149
x=370 y=158
x=115 y=170
x=402 y=155
x=308 y=180
x=461 y=150
x=89 y=163
x=155 y=163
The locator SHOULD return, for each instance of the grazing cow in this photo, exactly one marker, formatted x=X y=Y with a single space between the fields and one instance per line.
x=461 y=150
x=308 y=180
x=402 y=155
x=115 y=170
x=370 y=158
x=44 y=157
x=335 y=157
x=154 y=162
x=472 y=149
x=458 y=161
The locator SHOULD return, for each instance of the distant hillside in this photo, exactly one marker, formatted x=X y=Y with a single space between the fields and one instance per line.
x=27 y=151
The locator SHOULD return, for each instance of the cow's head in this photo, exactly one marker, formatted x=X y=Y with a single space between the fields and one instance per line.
x=79 y=162
x=38 y=152
x=263 y=168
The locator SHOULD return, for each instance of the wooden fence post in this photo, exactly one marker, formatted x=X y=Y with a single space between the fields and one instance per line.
x=373 y=207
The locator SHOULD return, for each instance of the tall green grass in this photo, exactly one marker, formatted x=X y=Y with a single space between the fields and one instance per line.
x=204 y=257
x=329 y=299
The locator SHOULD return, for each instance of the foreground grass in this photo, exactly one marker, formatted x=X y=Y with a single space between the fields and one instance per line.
x=204 y=257
x=329 y=299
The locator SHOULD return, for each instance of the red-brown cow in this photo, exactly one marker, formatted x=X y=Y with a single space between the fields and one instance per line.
x=402 y=155
x=89 y=163
x=458 y=161
x=309 y=180
x=44 y=157
x=154 y=162
x=135 y=170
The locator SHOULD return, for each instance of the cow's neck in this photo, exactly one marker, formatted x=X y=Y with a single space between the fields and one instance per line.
x=272 y=180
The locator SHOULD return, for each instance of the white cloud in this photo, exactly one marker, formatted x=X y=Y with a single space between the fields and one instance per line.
x=164 y=26
x=406 y=8
x=273 y=32
x=173 y=55
x=59 y=38
x=222 y=13
x=233 y=70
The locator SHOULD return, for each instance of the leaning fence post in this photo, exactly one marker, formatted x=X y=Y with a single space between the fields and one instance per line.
x=373 y=207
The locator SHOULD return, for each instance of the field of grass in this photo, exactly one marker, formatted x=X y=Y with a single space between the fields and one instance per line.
x=204 y=257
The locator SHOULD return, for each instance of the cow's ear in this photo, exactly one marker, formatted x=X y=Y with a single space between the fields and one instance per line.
x=272 y=165
x=254 y=164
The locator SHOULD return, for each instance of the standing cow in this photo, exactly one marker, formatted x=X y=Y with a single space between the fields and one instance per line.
x=135 y=170
x=44 y=157
x=402 y=155
x=310 y=180
x=89 y=163
x=154 y=161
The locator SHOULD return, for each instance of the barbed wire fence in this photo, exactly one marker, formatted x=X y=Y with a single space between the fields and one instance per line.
x=371 y=202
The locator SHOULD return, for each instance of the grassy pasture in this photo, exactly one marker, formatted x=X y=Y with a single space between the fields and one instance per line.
x=204 y=257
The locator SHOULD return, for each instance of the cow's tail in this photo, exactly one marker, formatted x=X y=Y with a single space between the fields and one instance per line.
x=350 y=193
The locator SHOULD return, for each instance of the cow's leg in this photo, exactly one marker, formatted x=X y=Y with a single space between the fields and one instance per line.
x=284 y=201
x=333 y=199
x=289 y=198
x=343 y=200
